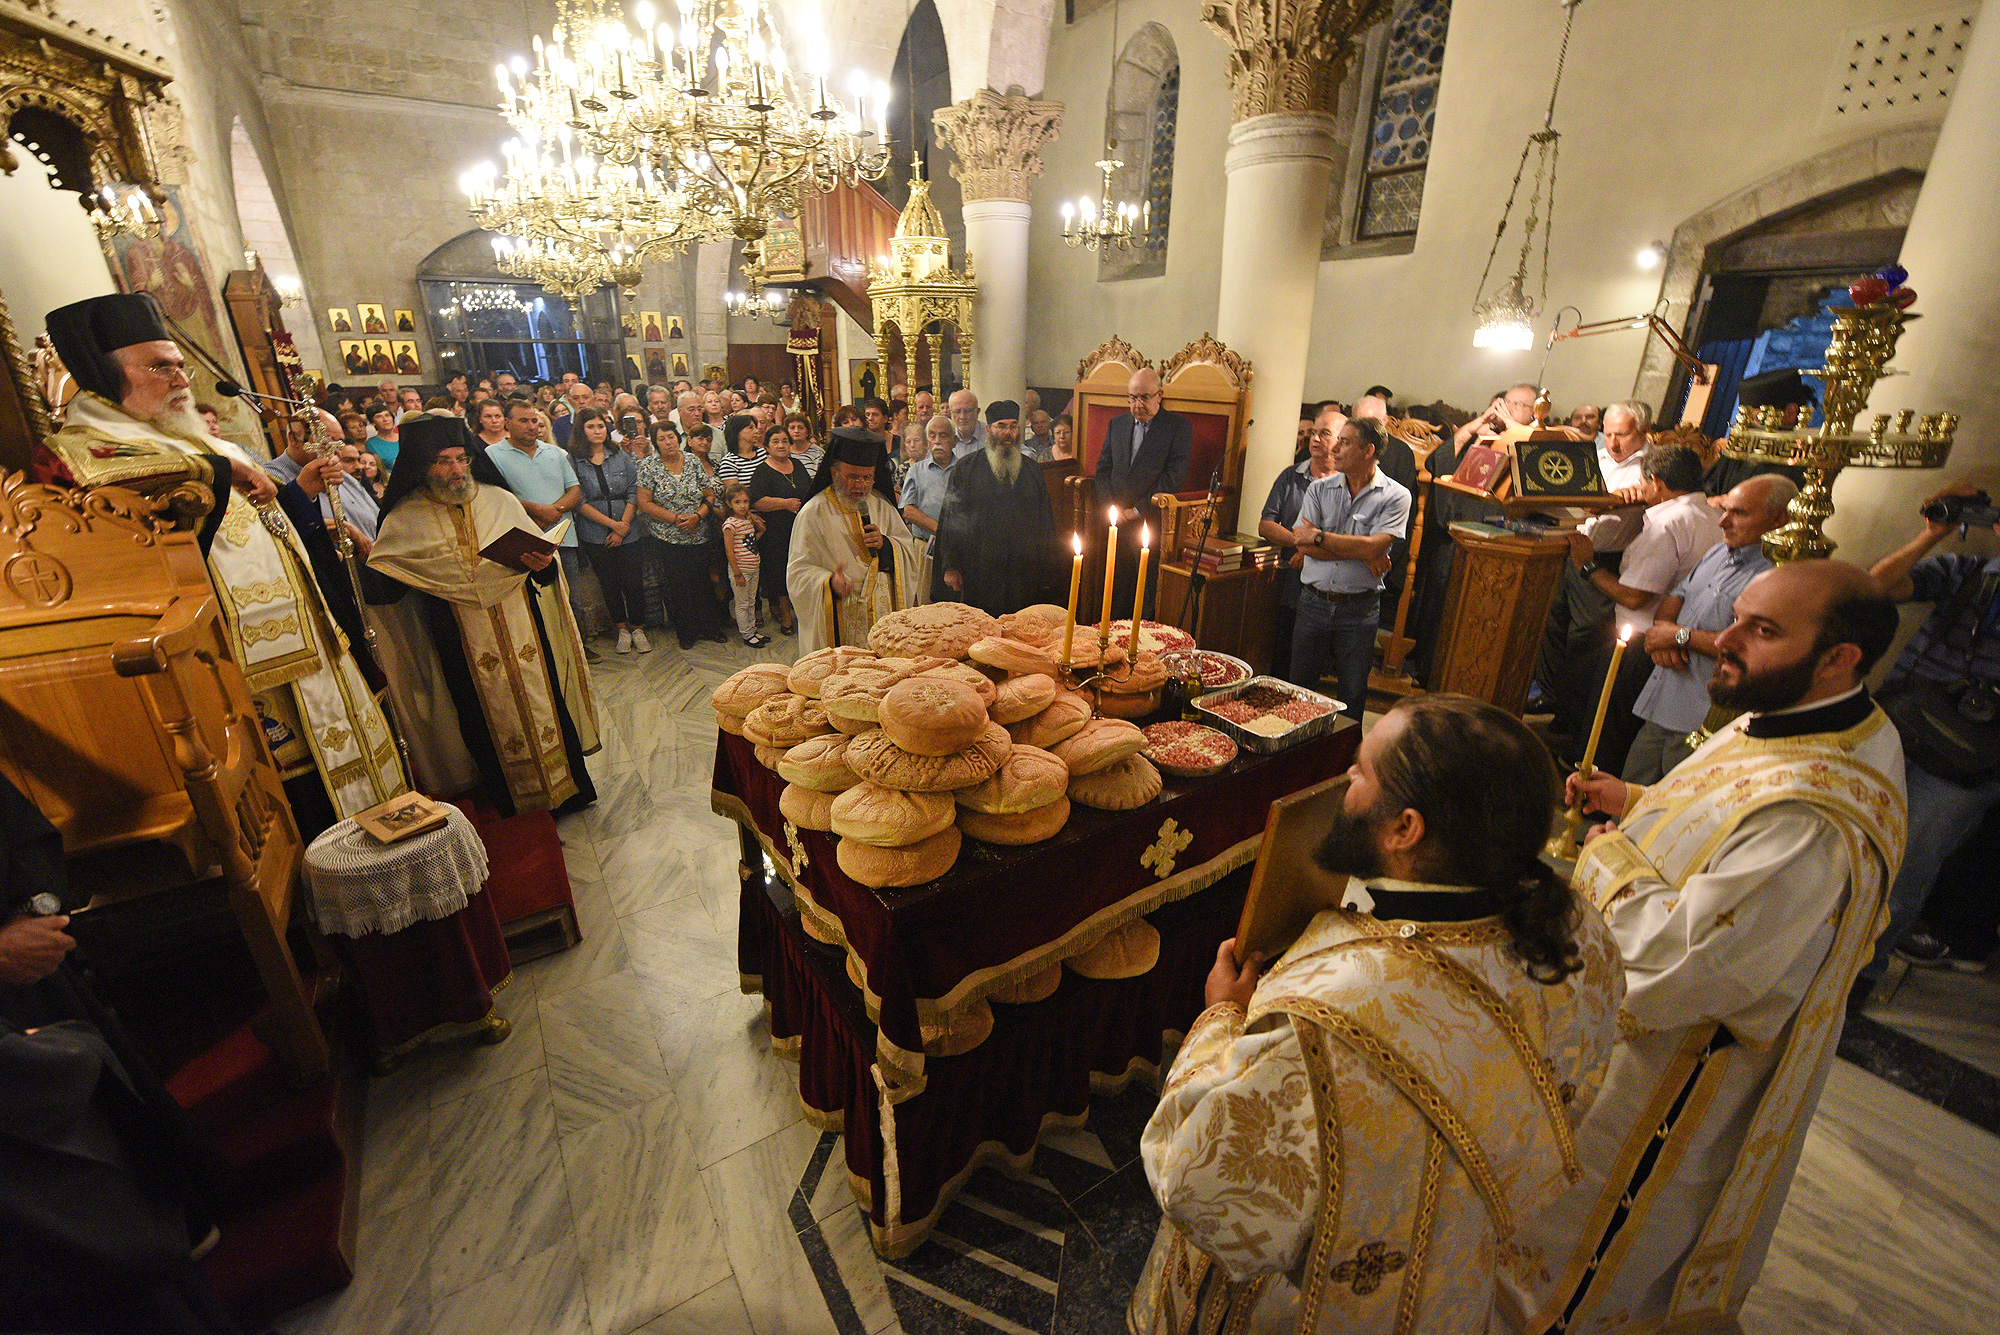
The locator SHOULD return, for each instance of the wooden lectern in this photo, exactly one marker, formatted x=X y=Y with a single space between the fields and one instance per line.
x=1502 y=586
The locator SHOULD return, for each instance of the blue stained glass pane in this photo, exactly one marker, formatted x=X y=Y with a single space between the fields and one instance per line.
x=1404 y=117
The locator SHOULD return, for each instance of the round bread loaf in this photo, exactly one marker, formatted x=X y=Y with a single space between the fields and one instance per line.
x=944 y=629
x=852 y=727
x=879 y=760
x=1130 y=783
x=729 y=723
x=785 y=721
x=857 y=689
x=1028 y=778
x=962 y=1031
x=745 y=690
x=1065 y=717
x=806 y=808
x=820 y=763
x=1083 y=649
x=769 y=756
x=1124 y=952
x=810 y=672
x=1016 y=657
x=930 y=716
x=1144 y=673
x=1020 y=698
x=966 y=675
x=1035 y=987
x=1019 y=827
x=1099 y=744
x=885 y=868
x=889 y=817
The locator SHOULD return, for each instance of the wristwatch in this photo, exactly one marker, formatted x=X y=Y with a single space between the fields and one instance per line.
x=1681 y=637
x=1588 y=568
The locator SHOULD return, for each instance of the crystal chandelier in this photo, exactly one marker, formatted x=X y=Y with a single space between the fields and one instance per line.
x=562 y=267
x=633 y=143
x=1105 y=223
x=125 y=211
x=1506 y=319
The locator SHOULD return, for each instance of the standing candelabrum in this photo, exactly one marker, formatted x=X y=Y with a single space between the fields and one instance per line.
x=1857 y=355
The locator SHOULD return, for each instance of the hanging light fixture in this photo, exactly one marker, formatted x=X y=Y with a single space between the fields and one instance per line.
x=1506 y=319
x=1105 y=223
x=123 y=211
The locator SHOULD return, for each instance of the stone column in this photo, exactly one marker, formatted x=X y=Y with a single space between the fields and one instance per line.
x=1286 y=63
x=1948 y=357
x=997 y=144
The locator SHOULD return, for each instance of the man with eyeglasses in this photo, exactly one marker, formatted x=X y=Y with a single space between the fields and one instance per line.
x=133 y=424
x=963 y=410
x=1145 y=451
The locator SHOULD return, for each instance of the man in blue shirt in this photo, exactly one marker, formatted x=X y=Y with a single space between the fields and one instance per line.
x=1347 y=524
x=1681 y=640
x=923 y=485
x=1960 y=642
x=545 y=480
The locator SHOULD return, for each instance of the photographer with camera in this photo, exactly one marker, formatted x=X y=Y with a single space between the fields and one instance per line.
x=1944 y=697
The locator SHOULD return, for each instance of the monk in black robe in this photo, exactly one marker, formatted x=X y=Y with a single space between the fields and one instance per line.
x=996 y=530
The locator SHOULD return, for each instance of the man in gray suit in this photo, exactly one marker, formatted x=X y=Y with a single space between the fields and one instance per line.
x=1145 y=452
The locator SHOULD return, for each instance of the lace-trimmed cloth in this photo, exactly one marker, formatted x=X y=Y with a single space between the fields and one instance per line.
x=360 y=886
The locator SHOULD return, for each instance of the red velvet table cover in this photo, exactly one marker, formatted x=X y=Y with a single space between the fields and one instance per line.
x=429 y=974
x=1002 y=914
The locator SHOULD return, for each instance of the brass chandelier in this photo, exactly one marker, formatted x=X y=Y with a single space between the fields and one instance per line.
x=631 y=143
x=1105 y=223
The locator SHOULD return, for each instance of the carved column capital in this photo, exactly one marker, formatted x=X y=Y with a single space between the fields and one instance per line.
x=997 y=141
x=1289 y=55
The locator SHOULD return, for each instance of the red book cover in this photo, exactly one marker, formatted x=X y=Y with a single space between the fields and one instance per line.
x=1482 y=467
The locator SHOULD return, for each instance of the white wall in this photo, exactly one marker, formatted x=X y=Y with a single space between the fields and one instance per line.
x=1662 y=113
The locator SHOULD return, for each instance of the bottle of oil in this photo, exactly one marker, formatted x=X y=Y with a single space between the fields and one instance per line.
x=1190 y=688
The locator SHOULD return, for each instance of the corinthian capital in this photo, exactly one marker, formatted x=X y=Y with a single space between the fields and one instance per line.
x=1289 y=55
x=997 y=141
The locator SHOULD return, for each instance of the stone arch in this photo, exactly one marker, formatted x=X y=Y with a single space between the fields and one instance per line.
x=1141 y=113
x=1801 y=185
x=258 y=214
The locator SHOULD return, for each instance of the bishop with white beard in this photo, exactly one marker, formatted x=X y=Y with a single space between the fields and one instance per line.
x=996 y=531
x=133 y=425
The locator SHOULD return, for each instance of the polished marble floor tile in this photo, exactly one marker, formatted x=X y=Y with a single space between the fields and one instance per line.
x=714 y=1311
x=645 y=1229
x=751 y=1191
x=1956 y=1013
x=464 y=1065
x=602 y=1057
x=732 y=1089
x=679 y=946
x=498 y=1195
x=390 y=1293
x=543 y=1293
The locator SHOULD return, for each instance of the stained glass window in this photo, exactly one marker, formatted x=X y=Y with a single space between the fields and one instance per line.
x=1160 y=167
x=1405 y=115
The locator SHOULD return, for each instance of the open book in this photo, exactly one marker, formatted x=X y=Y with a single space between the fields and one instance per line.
x=508 y=548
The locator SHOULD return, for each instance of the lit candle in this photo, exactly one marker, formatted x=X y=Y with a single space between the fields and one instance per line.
x=1604 y=703
x=1075 y=587
x=1139 y=591
x=1110 y=564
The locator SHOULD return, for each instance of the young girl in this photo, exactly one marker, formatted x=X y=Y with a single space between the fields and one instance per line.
x=739 y=541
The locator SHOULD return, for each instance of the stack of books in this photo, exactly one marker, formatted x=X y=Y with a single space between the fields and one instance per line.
x=1221 y=555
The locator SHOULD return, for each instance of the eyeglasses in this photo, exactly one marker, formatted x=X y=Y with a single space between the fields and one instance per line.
x=168 y=370
x=1142 y=398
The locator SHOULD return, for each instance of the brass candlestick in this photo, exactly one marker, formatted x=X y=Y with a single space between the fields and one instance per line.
x=1097 y=676
x=1863 y=340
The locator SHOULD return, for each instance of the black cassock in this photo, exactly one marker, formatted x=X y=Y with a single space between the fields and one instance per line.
x=999 y=536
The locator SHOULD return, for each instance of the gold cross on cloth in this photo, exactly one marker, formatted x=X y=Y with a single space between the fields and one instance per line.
x=1173 y=841
x=1365 y=1271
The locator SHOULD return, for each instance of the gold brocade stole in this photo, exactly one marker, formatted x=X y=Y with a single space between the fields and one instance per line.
x=860 y=605
x=1700 y=806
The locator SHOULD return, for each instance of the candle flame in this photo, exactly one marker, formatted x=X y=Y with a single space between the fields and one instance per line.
x=1145 y=535
x=1076 y=541
x=1625 y=635
x=1113 y=513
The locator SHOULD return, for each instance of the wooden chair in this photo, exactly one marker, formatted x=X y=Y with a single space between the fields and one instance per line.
x=1394 y=640
x=125 y=719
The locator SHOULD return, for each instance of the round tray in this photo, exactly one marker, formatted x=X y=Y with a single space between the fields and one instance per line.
x=1190 y=771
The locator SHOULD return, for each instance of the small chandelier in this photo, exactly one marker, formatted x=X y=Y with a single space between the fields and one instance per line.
x=1105 y=223
x=1506 y=319
x=570 y=271
x=123 y=211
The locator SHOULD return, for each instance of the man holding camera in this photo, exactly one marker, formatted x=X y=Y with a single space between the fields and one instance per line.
x=1944 y=695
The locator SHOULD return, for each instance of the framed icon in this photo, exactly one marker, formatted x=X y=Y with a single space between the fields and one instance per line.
x=405 y=354
x=371 y=318
x=380 y=360
x=681 y=365
x=649 y=326
x=354 y=356
x=656 y=363
x=342 y=322
x=864 y=378
x=406 y=321
x=714 y=371
x=674 y=327
x=633 y=371
x=628 y=324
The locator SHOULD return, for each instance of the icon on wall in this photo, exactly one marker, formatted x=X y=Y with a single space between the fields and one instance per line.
x=354 y=356
x=371 y=318
x=714 y=371
x=406 y=322
x=674 y=328
x=656 y=364
x=681 y=365
x=628 y=324
x=407 y=362
x=380 y=360
x=863 y=377
x=338 y=317
x=649 y=326
x=633 y=371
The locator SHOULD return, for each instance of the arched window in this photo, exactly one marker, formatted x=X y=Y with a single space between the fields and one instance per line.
x=1142 y=114
x=1376 y=208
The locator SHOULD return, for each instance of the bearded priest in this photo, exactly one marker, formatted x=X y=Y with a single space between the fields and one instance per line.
x=1745 y=892
x=133 y=425
x=853 y=560
x=473 y=654
x=996 y=530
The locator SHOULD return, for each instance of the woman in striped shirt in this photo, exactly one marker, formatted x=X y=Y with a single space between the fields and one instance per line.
x=744 y=450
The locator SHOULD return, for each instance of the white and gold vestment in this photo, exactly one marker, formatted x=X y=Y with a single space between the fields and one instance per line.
x=1745 y=892
x=1345 y=1157
x=827 y=537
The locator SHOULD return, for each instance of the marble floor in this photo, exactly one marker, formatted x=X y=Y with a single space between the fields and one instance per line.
x=634 y=1158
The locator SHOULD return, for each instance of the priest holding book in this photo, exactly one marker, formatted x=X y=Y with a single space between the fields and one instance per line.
x=475 y=649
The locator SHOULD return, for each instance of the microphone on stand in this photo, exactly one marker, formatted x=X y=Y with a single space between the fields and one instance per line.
x=229 y=389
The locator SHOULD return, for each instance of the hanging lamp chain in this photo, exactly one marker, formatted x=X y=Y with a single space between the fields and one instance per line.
x=1548 y=140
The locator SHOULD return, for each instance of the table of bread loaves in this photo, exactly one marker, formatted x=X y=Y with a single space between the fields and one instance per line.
x=956 y=829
